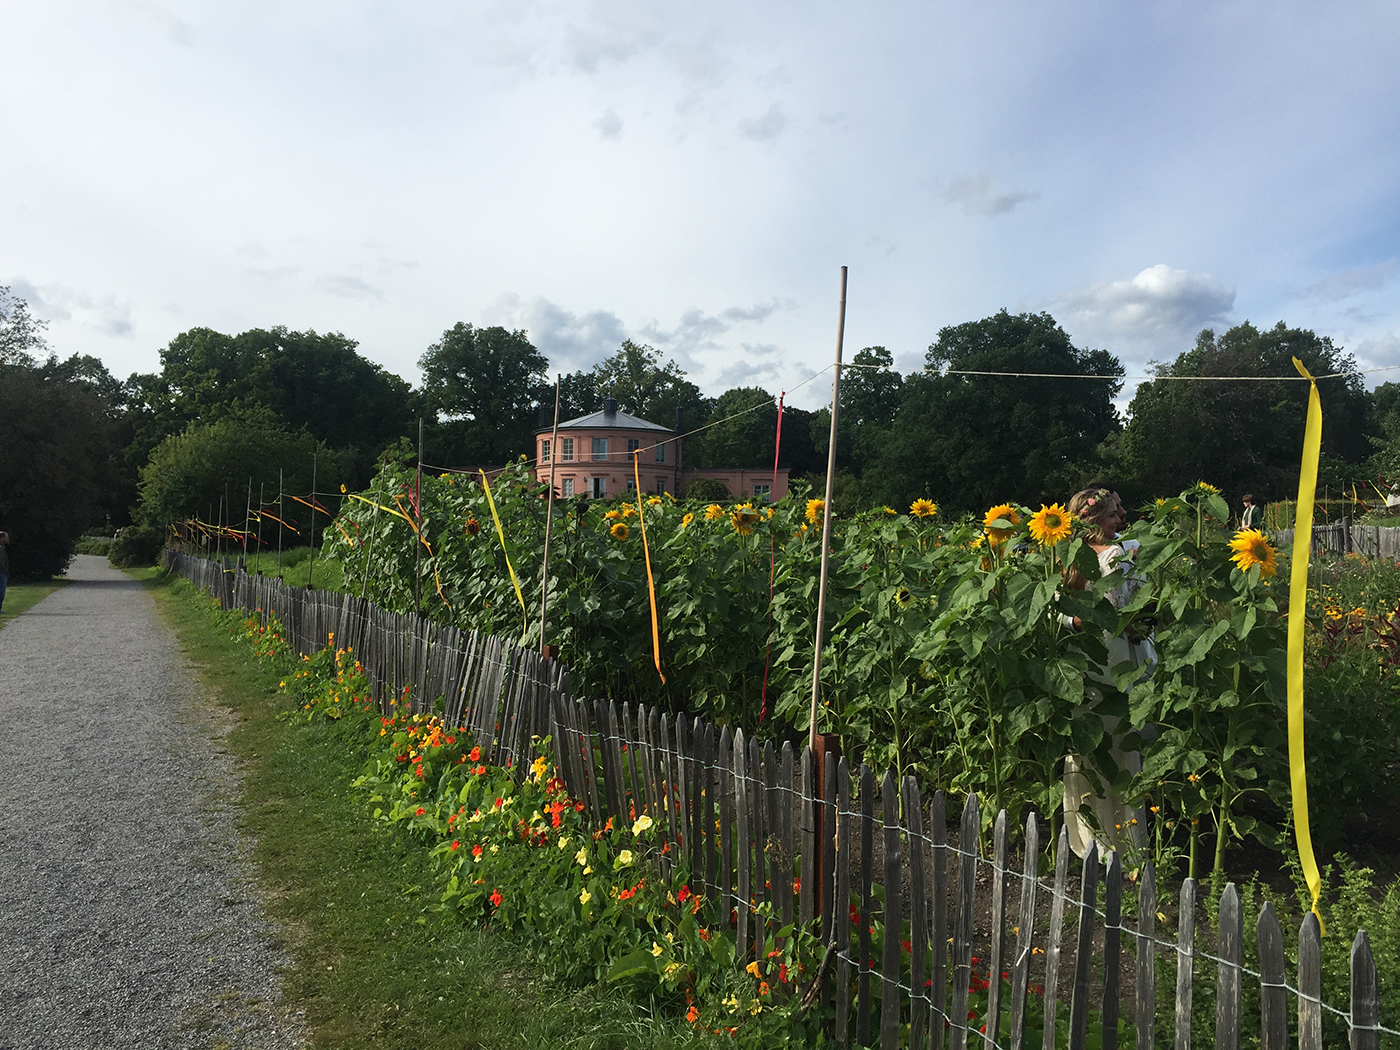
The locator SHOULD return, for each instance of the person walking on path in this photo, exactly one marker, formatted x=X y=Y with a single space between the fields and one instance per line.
x=128 y=916
x=1253 y=516
x=4 y=566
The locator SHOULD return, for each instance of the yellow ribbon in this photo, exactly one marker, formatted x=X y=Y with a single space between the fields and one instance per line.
x=391 y=510
x=1297 y=621
x=646 y=556
x=491 y=502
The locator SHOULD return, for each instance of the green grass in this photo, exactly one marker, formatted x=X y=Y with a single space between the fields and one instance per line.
x=372 y=966
x=22 y=596
x=295 y=566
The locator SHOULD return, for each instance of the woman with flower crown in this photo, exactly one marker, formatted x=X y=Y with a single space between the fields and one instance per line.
x=1117 y=824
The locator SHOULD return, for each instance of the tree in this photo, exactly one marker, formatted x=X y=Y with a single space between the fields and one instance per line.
x=649 y=389
x=970 y=441
x=57 y=434
x=189 y=474
x=483 y=387
x=744 y=421
x=309 y=380
x=21 y=333
x=1242 y=436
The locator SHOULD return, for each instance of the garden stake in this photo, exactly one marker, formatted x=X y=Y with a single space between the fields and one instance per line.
x=826 y=517
x=418 y=510
x=247 y=520
x=549 y=516
x=311 y=569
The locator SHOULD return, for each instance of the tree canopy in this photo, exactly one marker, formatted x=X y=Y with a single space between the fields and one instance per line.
x=1241 y=436
x=21 y=333
x=975 y=440
x=643 y=384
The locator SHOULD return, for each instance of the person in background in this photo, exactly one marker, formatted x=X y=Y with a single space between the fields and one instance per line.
x=4 y=566
x=1253 y=516
x=1109 y=820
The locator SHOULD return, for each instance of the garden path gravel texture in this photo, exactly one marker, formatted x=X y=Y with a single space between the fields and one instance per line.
x=128 y=914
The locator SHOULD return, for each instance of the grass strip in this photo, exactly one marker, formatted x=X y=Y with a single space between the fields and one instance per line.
x=21 y=597
x=372 y=965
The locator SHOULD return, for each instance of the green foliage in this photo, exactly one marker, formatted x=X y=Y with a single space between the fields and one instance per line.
x=1243 y=436
x=57 y=433
x=193 y=472
x=977 y=439
x=136 y=545
x=643 y=385
x=307 y=381
x=21 y=333
x=706 y=490
x=481 y=387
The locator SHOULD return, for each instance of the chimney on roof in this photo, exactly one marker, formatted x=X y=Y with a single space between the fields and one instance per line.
x=609 y=407
x=680 y=420
x=546 y=416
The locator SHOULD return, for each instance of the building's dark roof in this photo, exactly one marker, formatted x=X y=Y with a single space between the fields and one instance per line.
x=603 y=419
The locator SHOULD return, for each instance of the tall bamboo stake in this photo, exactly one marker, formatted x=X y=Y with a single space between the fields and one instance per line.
x=549 y=514
x=311 y=570
x=281 y=517
x=418 y=533
x=247 y=520
x=257 y=551
x=826 y=517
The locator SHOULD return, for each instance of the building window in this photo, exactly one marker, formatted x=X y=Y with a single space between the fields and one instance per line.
x=661 y=452
x=631 y=485
x=762 y=490
x=600 y=448
x=544 y=451
x=568 y=486
x=632 y=445
x=566 y=450
x=660 y=486
x=600 y=486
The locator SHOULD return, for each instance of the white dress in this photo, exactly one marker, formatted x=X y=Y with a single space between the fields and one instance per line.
x=1118 y=824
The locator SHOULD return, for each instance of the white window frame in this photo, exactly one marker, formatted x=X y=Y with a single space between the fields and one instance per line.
x=544 y=451
x=661 y=452
x=763 y=490
x=566 y=450
x=600 y=445
x=567 y=488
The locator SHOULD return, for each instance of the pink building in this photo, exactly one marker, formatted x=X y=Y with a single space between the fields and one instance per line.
x=595 y=458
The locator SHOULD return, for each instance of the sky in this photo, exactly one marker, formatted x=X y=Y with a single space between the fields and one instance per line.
x=693 y=176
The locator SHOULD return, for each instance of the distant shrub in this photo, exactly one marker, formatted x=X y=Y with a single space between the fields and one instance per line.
x=136 y=545
x=98 y=545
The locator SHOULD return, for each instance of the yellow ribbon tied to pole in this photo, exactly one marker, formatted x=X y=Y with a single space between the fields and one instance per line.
x=491 y=502
x=1297 y=622
x=646 y=556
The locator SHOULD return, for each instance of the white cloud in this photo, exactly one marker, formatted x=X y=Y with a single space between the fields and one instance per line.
x=349 y=287
x=1379 y=352
x=105 y=314
x=1347 y=283
x=979 y=195
x=609 y=125
x=1159 y=305
x=766 y=127
x=571 y=341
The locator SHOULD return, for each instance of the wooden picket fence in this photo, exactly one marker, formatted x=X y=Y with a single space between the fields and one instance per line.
x=918 y=929
x=1342 y=537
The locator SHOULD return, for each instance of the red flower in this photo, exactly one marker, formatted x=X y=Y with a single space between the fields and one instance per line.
x=475 y=754
x=495 y=898
x=419 y=811
x=477 y=850
x=683 y=895
x=782 y=972
x=907 y=946
x=692 y=1014
x=455 y=844
x=480 y=771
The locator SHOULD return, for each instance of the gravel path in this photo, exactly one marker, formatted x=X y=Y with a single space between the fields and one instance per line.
x=128 y=917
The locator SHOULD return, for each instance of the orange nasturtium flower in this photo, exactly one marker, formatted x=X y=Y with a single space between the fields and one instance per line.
x=1050 y=525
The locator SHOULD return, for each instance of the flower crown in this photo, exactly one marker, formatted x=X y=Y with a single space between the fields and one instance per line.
x=1093 y=501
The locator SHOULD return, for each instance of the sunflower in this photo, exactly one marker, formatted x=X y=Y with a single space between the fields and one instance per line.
x=687 y=520
x=1001 y=512
x=743 y=519
x=923 y=508
x=473 y=526
x=620 y=531
x=713 y=511
x=1252 y=548
x=655 y=501
x=613 y=515
x=628 y=510
x=1050 y=525
x=889 y=510
x=815 y=509
x=903 y=597
x=1202 y=488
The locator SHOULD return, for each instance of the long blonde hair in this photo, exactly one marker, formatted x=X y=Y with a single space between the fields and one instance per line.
x=1094 y=507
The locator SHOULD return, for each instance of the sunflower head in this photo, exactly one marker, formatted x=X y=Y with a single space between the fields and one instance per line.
x=1002 y=512
x=713 y=512
x=743 y=519
x=903 y=598
x=655 y=501
x=613 y=515
x=473 y=526
x=1205 y=488
x=1050 y=525
x=687 y=520
x=1252 y=548
x=628 y=509
x=815 y=509
x=619 y=530
x=923 y=508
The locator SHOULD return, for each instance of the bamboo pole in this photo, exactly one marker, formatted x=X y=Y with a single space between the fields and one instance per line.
x=281 y=517
x=247 y=520
x=549 y=515
x=311 y=570
x=257 y=550
x=418 y=533
x=826 y=518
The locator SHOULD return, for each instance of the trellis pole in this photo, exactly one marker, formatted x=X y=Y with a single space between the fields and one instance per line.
x=826 y=518
x=549 y=514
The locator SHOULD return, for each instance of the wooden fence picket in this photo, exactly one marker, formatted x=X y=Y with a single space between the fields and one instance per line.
x=963 y=922
x=1112 y=910
x=1084 y=945
x=1310 y=984
x=1229 y=947
x=1185 y=949
x=890 y=964
x=918 y=916
x=1365 y=996
x=1025 y=933
x=1052 y=939
x=867 y=902
x=938 y=897
x=840 y=925
x=1273 y=998
x=807 y=838
x=1001 y=846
